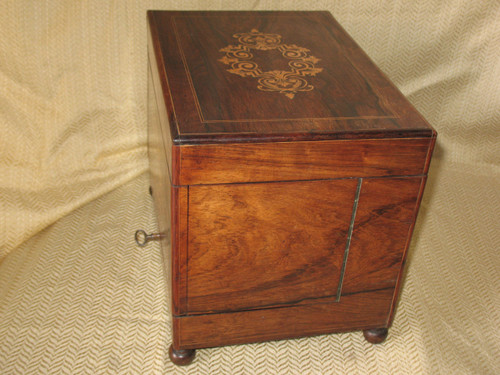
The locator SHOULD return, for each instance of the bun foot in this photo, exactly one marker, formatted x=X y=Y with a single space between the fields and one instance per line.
x=376 y=335
x=181 y=357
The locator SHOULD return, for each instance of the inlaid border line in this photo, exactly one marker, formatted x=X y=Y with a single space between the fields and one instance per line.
x=304 y=119
x=349 y=236
x=188 y=72
x=198 y=104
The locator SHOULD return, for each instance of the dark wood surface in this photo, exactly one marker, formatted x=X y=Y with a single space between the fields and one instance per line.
x=401 y=274
x=350 y=97
x=290 y=212
x=260 y=245
x=307 y=160
x=160 y=183
x=355 y=312
x=178 y=279
x=181 y=357
x=375 y=335
x=386 y=210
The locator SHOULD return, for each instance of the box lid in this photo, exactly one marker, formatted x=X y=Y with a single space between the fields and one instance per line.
x=272 y=76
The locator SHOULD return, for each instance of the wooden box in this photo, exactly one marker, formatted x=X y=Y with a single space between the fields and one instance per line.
x=289 y=171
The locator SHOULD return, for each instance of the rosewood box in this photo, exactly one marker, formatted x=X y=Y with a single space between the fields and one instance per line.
x=288 y=171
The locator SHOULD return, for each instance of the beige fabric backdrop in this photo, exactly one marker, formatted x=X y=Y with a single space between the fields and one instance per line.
x=73 y=128
x=73 y=89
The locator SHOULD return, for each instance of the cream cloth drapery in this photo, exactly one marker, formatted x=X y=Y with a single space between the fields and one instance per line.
x=79 y=298
x=73 y=90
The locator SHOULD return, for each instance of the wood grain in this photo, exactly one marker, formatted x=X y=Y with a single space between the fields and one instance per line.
x=386 y=211
x=259 y=187
x=401 y=275
x=207 y=104
x=219 y=95
x=260 y=245
x=355 y=312
x=160 y=90
x=179 y=216
x=159 y=178
x=285 y=161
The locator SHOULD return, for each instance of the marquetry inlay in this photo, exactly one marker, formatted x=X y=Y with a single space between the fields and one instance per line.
x=287 y=82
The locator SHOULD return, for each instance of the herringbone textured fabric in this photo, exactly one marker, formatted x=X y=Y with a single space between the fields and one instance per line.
x=73 y=89
x=81 y=298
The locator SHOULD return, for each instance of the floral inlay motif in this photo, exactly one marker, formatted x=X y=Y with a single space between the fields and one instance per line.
x=288 y=82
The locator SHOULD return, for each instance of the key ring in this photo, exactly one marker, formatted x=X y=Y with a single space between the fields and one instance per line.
x=142 y=238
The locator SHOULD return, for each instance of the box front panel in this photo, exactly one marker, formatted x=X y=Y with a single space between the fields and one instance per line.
x=356 y=311
x=281 y=260
x=381 y=233
x=257 y=246
x=291 y=161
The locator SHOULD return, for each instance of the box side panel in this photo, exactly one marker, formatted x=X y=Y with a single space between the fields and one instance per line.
x=170 y=201
x=161 y=95
x=160 y=179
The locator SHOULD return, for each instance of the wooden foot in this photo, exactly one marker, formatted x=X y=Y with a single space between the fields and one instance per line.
x=181 y=357
x=150 y=191
x=376 y=335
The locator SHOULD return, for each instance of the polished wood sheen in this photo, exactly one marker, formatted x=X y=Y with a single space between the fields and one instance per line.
x=375 y=335
x=181 y=357
x=356 y=312
x=257 y=246
x=284 y=161
x=289 y=171
x=159 y=178
x=351 y=97
x=386 y=210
